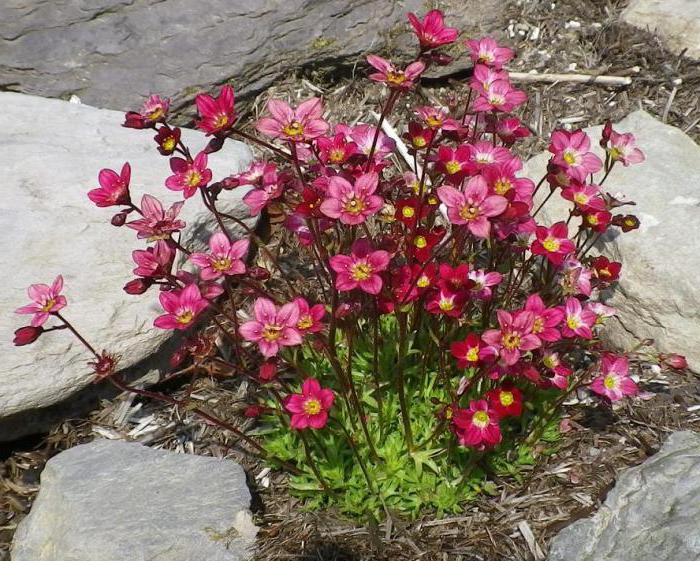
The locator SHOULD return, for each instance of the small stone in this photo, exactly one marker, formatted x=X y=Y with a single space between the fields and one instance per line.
x=119 y=501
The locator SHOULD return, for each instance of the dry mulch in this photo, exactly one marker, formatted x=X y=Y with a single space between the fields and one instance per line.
x=573 y=36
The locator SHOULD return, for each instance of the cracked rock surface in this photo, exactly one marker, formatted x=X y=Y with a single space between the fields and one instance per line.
x=118 y=501
x=658 y=296
x=652 y=513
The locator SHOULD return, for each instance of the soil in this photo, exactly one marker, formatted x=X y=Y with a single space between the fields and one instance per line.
x=583 y=36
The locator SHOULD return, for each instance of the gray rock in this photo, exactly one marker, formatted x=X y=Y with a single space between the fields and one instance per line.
x=52 y=153
x=658 y=296
x=676 y=21
x=652 y=514
x=117 y=501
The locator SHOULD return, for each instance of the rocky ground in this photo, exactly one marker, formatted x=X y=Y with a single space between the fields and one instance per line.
x=568 y=36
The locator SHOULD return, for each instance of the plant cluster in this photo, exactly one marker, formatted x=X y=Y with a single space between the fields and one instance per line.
x=440 y=327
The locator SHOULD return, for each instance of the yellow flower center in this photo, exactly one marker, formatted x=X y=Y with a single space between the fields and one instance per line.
x=502 y=186
x=569 y=158
x=469 y=212
x=312 y=406
x=581 y=198
x=538 y=325
x=572 y=322
x=434 y=121
x=453 y=167
x=550 y=244
x=221 y=121
x=185 y=317
x=169 y=144
x=550 y=362
x=337 y=156
x=485 y=58
x=420 y=242
x=446 y=305
x=408 y=212
x=592 y=219
x=419 y=141
x=473 y=354
x=615 y=153
x=293 y=129
x=222 y=264
x=305 y=322
x=354 y=206
x=511 y=341
x=432 y=200
x=48 y=305
x=481 y=419
x=395 y=77
x=156 y=114
x=194 y=178
x=271 y=333
x=506 y=398
x=610 y=382
x=423 y=281
x=361 y=271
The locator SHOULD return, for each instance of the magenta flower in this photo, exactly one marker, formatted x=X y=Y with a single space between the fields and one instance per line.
x=578 y=321
x=309 y=316
x=271 y=187
x=363 y=136
x=189 y=176
x=614 y=381
x=473 y=207
x=485 y=154
x=484 y=76
x=511 y=129
x=352 y=204
x=486 y=51
x=514 y=336
x=217 y=113
x=335 y=150
x=436 y=118
x=623 y=148
x=360 y=269
x=432 y=32
x=572 y=153
x=296 y=125
x=156 y=223
x=553 y=242
x=446 y=301
x=46 y=300
x=391 y=76
x=500 y=97
x=477 y=427
x=113 y=189
x=154 y=110
x=502 y=181
x=224 y=258
x=310 y=408
x=545 y=319
x=455 y=162
x=154 y=262
x=272 y=328
x=483 y=281
x=182 y=307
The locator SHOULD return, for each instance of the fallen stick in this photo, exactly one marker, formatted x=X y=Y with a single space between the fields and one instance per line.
x=578 y=78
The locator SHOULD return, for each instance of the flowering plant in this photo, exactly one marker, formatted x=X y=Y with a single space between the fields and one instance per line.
x=433 y=328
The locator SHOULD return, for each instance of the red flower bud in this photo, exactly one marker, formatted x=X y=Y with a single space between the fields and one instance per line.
x=133 y=120
x=268 y=370
x=215 y=144
x=673 y=360
x=258 y=273
x=137 y=286
x=119 y=219
x=178 y=357
x=605 y=136
x=27 y=335
x=253 y=411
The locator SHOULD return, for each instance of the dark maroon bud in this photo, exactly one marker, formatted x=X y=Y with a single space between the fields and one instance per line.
x=119 y=219
x=178 y=357
x=27 y=335
x=605 y=136
x=215 y=144
x=138 y=286
x=258 y=273
x=253 y=411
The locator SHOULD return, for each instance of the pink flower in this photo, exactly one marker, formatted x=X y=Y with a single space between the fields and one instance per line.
x=157 y=224
x=614 y=381
x=336 y=150
x=271 y=188
x=586 y=197
x=578 y=321
x=295 y=125
x=154 y=110
x=501 y=96
x=501 y=180
x=436 y=118
x=154 y=262
x=310 y=408
x=486 y=51
x=217 y=113
x=514 y=336
x=182 y=307
x=360 y=269
x=553 y=242
x=189 y=176
x=363 y=136
x=483 y=76
x=571 y=153
x=113 y=189
x=391 y=76
x=477 y=427
x=224 y=258
x=431 y=32
x=511 y=129
x=545 y=319
x=558 y=372
x=272 y=328
x=483 y=281
x=575 y=279
x=46 y=300
x=623 y=148
x=473 y=207
x=309 y=316
x=485 y=154
x=352 y=204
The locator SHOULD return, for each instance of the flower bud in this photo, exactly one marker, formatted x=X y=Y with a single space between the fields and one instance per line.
x=119 y=219
x=258 y=273
x=104 y=366
x=215 y=144
x=253 y=411
x=137 y=286
x=673 y=360
x=268 y=370
x=27 y=335
x=605 y=136
x=178 y=357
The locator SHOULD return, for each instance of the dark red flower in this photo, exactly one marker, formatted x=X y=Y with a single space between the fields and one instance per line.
x=27 y=335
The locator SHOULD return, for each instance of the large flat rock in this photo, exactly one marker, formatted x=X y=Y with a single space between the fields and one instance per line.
x=52 y=152
x=676 y=21
x=658 y=296
x=652 y=514
x=118 y=501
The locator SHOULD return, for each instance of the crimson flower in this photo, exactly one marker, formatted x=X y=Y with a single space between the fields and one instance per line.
x=156 y=223
x=46 y=300
x=360 y=269
x=553 y=243
x=182 y=307
x=432 y=32
x=27 y=335
x=506 y=401
x=309 y=408
x=614 y=381
x=272 y=328
x=407 y=211
x=477 y=427
x=167 y=139
x=454 y=162
x=472 y=351
x=393 y=77
x=217 y=113
x=421 y=244
x=514 y=336
x=419 y=137
x=189 y=176
x=336 y=150
x=309 y=316
x=447 y=302
x=510 y=129
x=113 y=189
x=606 y=271
x=295 y=125
x=224 y=258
